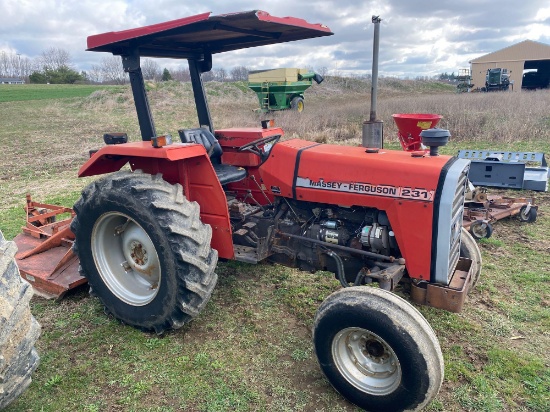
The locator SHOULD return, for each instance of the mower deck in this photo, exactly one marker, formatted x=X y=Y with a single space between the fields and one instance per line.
x=45 y=257
x=494 y=208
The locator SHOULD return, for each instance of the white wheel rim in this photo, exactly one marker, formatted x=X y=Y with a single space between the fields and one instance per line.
x=366 y=361
x=126 y=258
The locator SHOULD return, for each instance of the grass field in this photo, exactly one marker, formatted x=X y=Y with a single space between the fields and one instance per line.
x=17 y=92
x=250 y=350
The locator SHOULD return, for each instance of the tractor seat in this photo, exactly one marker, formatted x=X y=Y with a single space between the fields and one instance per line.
x=226 y=173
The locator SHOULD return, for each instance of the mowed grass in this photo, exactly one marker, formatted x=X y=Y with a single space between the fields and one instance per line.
x=24 y=92
x=250 y=350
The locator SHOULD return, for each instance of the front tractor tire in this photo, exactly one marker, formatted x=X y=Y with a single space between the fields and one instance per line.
x=377 y=350
x=144 y=250
x=470 y=250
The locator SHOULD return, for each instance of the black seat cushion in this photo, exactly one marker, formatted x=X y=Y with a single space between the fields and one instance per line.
x=204 y=137
x=226 y=173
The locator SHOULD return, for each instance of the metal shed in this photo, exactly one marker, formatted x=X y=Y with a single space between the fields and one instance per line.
x=529 y=56
x=10 y=80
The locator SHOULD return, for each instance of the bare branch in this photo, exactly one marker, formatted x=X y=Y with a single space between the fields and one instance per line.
x=150 y=69
x=54 y=58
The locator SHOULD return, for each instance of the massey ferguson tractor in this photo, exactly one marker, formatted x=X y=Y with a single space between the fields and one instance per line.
x=149 y=237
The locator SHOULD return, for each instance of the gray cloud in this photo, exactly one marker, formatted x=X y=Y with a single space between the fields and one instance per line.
x=423 y=37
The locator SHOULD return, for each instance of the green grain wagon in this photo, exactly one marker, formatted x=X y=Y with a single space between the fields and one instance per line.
x=280 y=89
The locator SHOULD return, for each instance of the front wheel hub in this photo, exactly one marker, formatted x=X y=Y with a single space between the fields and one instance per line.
x=366 y=361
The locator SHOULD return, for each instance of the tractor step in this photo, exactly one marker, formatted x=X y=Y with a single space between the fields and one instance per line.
x=451 y=297
x=245 y=254
x=45 y=257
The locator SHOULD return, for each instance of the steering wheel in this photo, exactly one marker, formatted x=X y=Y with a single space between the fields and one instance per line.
x=253 y=146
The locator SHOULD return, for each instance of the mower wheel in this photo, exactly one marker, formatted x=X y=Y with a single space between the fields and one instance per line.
x=297 y=104
x=470 y=250
x=19 y=330
x=144 y=250
x=528 y=216
x=481 y=229
x=377 y=350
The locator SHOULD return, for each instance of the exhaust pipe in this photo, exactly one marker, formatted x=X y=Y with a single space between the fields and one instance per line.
x=373 y=130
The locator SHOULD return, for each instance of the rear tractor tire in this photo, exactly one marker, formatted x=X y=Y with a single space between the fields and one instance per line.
x=19 y=330
x=377 y=350
x=144 y=250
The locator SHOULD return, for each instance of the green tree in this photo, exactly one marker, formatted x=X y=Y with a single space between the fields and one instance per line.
x=38 y=77
x=166 y=75
x=61 y=75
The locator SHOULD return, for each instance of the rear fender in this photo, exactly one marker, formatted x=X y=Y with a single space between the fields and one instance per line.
x=185 y=163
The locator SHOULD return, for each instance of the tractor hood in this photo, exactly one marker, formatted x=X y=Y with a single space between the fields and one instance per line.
x=194 y=36
x=318 y=172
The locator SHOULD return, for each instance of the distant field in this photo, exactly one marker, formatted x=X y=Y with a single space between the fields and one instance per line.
x=250 y=349
x=22 y=92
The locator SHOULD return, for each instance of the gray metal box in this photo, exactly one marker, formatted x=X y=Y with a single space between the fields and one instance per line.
x=513 y=170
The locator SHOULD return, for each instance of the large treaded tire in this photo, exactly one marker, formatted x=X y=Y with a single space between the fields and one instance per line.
x=297 y=104
x=173 y=237
x=19 y=330
x=377 y=350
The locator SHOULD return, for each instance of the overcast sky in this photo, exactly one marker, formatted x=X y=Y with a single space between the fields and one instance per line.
x=417 y=37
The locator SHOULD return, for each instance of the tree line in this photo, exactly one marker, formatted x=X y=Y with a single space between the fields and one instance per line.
x=13 y=65
x=54 y=66
x=110 y=71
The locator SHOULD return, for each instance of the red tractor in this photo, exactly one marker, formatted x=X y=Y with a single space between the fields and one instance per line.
x=149 y=238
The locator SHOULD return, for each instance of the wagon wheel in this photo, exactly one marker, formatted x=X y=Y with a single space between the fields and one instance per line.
x=144 y=250
x=297 y=104
x=377 y=350
x=528 y=215
x=481 y=229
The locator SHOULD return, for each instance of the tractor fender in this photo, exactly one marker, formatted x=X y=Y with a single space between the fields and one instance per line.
x=186 y=164
x=112 y=158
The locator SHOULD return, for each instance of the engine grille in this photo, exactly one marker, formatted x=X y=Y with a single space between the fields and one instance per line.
x=456 y=222
x=448 y=220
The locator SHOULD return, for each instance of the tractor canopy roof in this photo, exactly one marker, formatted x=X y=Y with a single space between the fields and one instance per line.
x=203 y=34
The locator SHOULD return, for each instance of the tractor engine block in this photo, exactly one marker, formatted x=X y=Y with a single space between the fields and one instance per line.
x=307 y=235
